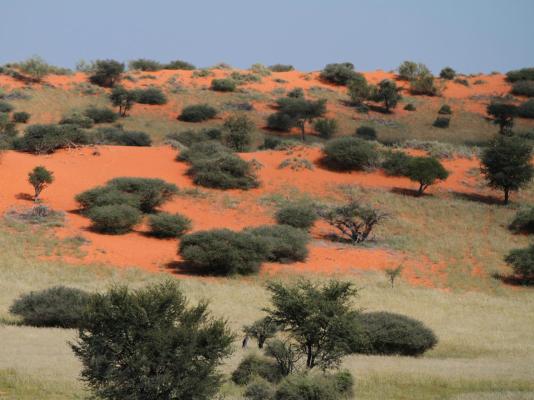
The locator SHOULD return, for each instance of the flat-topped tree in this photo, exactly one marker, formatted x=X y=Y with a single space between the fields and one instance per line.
x=426 y=171
x=298 y=111
x=503 y=115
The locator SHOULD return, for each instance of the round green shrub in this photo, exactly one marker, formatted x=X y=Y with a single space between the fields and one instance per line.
x=522 y=262
x=223 y=85
x=297 y=93
x=105 y=196
x=197 y=113
x=106 y=73
x=21 y=117
x=396 y=163
x=350 y=153
x=101 y=114
x=271 y=142
x=152 y=192
x=445 y=109
x=255 y=366
x=325 y=127
x=526 y=110
x=284 y=243
x=280 y=122
x=259 y=389
x=410 y=107
x=300 y=216
x=80 y=120
x=226 y=171
x=281 y=68
x=5 y=107
x=165 y=225
x=442 y=122
x=203 y=150
x=224 y=252
x=447 y=73
x=338 y=74
x=396 y=334
x=126 y=138
x=152 y=95
x=114 y=219
x=191 y=136
x=58 y=306
x=366 y=132
x=523 y=88
x=523 y=221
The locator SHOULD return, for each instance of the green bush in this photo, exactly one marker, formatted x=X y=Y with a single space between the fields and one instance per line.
x=523 y=74
x=526 y=110
x=385 y=92
x=152 y=192
x=426 y=171
x=152 y=95
x=197 y=113
x=124 y=138
x=410 y=107
x=237 y=132
x=78 y=119
x=223 y=85
x=114 y=219
x=338 y=74
x=350 y=153
x=255 y=366
x=106 y=73
x=179 y=65
x=315 y=387
x=366 y=132
x=165 y=225
x=105 y=196
x=409 y=70
x=358 y=89
x=447 y=73
x=224 y=252
x=284 y=243
x=5 y=107
x=281 y=68
x=202 y=150
x=445 y=109
x=523 y=221
x=142 y=64
x=280 y=122
x=424 y=85
x=296 y=93
x=523 y=88
x=325 y=127
x=522 y=262
x=44 y=139
x=21 y=117
x=226 y=171
x=101 y=114
x=190 y=136
x=395 y=334
x=300 y=216
x=396 y=163
x=259 y=389
x=442 y=122
x=58 y=306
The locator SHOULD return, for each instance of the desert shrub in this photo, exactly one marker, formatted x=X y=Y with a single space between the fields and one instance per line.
x=151 y=95
x=255 y=366
x=447 y=73
x=445 y=109
x=526 y=110
x=172 y=349
x=101 y=114
x=124 y=138
x=106 y=73
x=301 y=216
x=391 y=334
x=114 y=219
x=339 y=74
x=281 y=68
x=424 y=85
x=410 y=107
x=43 y=139
x=122 y=98
x=523 y=74
x=104 y=196
x=241 y=79
x=190 y=136
x=223 y=85
x=366 y=132
x=21 y=117
x=522 y=262
x=315 y=387
x=224 y=252
x=358 y=89
x=326 y=127
x=271 y=142
x=410 y=70
x=441 y=122
x=523 y=221
x=523 y=88
x=165 y=225
x=503 y=114
x=350 y=153
x=284 y=243
x=385 y=92
x=179 y=65
x=259 y=389
x=237 y=132
x=296 y=93
x=5 y=107
x=78 y=119
x=197 y=113
x=426 y=171
x=225 y=171
x=35 y=68
x=203 y=150
x=58 y=306
x=396 y=163
x=280 y=122
x=142 y=64
x=152 y=192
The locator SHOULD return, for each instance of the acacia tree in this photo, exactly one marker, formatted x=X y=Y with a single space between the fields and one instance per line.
x=122 y=98
x=106 y=73
x=503 y=115
x=261 y=330
x=386 y=92
x=426 y=171
x=149 y=344
x=298 y=111
x=358 y=89
x=506 y=164
x=237 y=132
x=40 y=178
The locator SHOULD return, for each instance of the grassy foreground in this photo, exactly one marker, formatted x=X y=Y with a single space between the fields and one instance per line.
x=486 y=348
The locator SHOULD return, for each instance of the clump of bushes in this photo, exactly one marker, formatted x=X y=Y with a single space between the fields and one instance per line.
x=325 y=127
x=179 y=65
x=301 y=216
x=424 y=84
x=122 y=137
x=58 y=306
x=284 y=243
x=114 y=219
x=254 y=365
x=45 y=139
x=442 y=122
x=334 y=386
x=151 y=95
x=447 y=73
x=338 y=74
x=523 y=88
x=190 y=136
x=410 y=70
x=21 y=117
x=197 y=113
x=350 y=153
x=78 y=119
x=366 y=132
x=526 y=110
x=281 y=68
x=106 y=73
x=165 y=225
x=523 y=74
x=6 y=107
x=523 y=221
x=522 y=262
x=259 y=389
x=142 y=64
x=426 y=171
x=396 y=163
x=223 y=85
x=445 y=109
x=101 y=115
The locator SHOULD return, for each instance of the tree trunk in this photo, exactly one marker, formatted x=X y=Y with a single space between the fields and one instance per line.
x=302 y=131
x=421 y=190
x=506 y=195
x=309 y=358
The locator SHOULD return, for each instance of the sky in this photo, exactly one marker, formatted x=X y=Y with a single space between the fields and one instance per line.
x=469 y=35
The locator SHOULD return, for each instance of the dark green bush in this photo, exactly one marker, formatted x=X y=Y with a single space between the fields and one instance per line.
x=447 y=73
x=124 y=138
x=523 y=221
x=523 y=74
x=281 y=68
x=271 y=142
x=203 y=150
x=523 y=88
x=410 y=70
x=142 y=64
x=57 y=306
x=442 y=122
x=350 y=153
x=366 y=132
x=522 y=262
x=152 y=192
x=424 y=85
x=101 y=114
x=21 y=117
x=165 y=225
x=445 y=109
x=77 y=119
x=280 y=122
x=151 y=95
x=526 y=110
x=391 y=334
x=300 y=216
x=106 y=73
x=223 y=85
x=197 y=113
x=179 y=65
x=238 y=130
x=226 y=171
x=325 y=127
x=224 y=252
x=259 y=389
x=114 y=219
x=426 y=171
x=296 y=93
x=105 y=196
x=5 y=107
x=410 y=107
x=190 y=136
x=43 y=139
x=396 y=163
x=255 y=366
x=315 y=387
x=339 y=74
x=284 y=243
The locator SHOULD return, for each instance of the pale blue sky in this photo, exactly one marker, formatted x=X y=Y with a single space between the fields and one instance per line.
x=469 y=35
